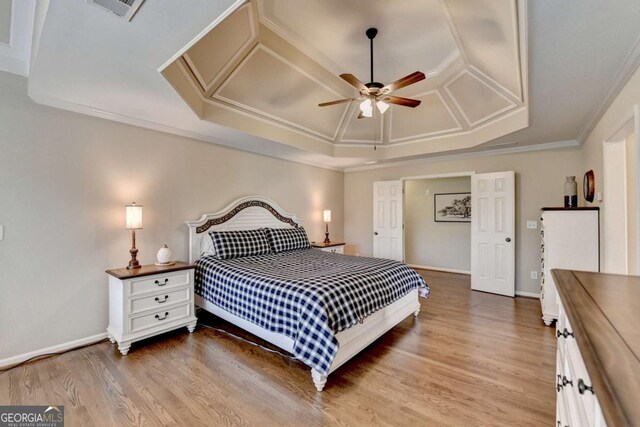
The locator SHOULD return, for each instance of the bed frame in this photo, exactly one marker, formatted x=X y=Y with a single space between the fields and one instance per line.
x=254 y=212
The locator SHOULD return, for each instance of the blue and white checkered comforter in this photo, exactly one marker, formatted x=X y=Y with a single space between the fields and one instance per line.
x=308 y=295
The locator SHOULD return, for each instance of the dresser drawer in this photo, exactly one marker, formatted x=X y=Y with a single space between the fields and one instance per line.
x=159 y=318
x=334 y=249
x=159 y=282
x=159 y=301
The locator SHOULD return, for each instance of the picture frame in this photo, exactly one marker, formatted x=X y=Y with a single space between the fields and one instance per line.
x=452 y=207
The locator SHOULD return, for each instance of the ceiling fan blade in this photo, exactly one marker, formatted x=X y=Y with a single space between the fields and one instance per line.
x=361 y=116
x=353 y=81
x=403 y=82
x=398 y=100
x=339 y=101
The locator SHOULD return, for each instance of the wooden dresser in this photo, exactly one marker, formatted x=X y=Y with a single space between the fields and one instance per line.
x=598 y=356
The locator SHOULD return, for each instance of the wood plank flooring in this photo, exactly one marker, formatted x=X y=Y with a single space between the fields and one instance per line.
x=469 y=359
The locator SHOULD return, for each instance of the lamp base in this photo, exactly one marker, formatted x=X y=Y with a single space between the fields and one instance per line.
x=133 y=262
x=326 y=238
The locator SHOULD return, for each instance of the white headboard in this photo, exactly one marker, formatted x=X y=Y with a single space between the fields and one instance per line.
x=246 y=213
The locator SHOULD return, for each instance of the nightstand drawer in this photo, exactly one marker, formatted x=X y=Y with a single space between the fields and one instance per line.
x=159 y=318
x=159 y=282
x=158 y=301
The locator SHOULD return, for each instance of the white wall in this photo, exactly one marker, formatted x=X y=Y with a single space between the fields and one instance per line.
x=620 y=112
x=540 y=177
x=435 y=244
x=64 y=181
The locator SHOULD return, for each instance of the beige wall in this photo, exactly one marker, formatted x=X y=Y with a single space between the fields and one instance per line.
x=435 y=244
x=64 y=181
x=617 y=115
x=539 y=182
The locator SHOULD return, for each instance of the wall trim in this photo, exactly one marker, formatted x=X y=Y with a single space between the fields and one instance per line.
x=434 y=159
x=528 y=294
x=14 y=360
x=446 y=270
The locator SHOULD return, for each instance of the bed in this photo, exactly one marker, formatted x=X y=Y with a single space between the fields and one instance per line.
x=324 y=308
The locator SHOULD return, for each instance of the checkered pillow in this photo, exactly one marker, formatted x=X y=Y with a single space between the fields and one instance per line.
x=240 y=243
x=287 y=239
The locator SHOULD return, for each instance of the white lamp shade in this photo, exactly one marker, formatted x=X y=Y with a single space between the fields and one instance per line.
x=133 y=217
x=382 y=106
x=326 y=214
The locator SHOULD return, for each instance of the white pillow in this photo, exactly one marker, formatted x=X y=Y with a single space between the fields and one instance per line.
x=206 y=246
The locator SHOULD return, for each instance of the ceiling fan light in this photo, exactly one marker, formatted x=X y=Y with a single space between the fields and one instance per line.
x=368 y=113
x=366 y=106
x=382 y=106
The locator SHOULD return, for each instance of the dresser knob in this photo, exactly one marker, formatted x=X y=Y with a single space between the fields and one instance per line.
x=559 y=384
x=166 y=297
x=566 y=381
x=565 y=334
x=582 y=387
x=162 y=284
x=166 y=314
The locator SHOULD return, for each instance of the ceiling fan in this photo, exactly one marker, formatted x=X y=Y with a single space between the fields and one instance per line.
x=374 y=93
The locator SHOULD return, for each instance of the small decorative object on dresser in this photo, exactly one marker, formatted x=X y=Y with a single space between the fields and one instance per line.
x=133 y=222
x=326 y=214
x=589 y=186
x=335 y=247
x=149 y=301
x=570 y=192
x=164 y=257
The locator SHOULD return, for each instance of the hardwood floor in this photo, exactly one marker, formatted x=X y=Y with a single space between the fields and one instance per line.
x=469 y=359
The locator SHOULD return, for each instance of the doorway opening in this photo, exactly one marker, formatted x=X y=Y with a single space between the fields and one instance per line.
x=621 y=254
x=438 y=223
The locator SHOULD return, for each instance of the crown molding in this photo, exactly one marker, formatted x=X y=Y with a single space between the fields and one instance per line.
x=486 y=153
x=628 y=68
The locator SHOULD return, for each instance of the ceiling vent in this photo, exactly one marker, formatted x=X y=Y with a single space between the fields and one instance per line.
x=124 y=8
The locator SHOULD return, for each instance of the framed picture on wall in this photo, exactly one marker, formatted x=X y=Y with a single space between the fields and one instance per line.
x=452 y=207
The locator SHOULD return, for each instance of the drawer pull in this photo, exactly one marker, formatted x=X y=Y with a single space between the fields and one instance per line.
x=582 y=387
x=166 y=314
x=157 y=282
x=565 y=334
x=559 y=384
x=566 y=381
x=166 y=297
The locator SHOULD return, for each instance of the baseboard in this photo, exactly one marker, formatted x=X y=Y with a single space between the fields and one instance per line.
x=14 y=360
x=527 y=294
x=446 y=270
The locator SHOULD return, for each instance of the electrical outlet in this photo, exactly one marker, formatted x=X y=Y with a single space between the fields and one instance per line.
x=532 y=225
x=534 y=275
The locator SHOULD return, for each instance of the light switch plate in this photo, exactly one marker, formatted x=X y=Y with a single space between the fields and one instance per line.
x=534 y=275
x=427 y=192
x=532 y=225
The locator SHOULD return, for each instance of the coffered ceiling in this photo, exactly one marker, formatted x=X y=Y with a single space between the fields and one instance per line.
x=266 y=66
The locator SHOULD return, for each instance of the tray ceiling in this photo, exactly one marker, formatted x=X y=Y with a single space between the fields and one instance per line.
x=264 y=69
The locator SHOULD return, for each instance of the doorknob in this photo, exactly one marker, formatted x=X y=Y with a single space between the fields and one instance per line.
x=508 y=239
x=375 y=233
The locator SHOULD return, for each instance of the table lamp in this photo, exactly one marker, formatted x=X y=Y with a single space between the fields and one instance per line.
x=327 y=219
x=133 y=220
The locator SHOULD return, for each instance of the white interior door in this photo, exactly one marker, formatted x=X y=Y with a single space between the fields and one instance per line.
x=493 y=233
x=388 y=233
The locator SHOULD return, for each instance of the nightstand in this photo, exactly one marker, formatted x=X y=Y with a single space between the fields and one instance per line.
x=333 y=247
x=148 y=301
